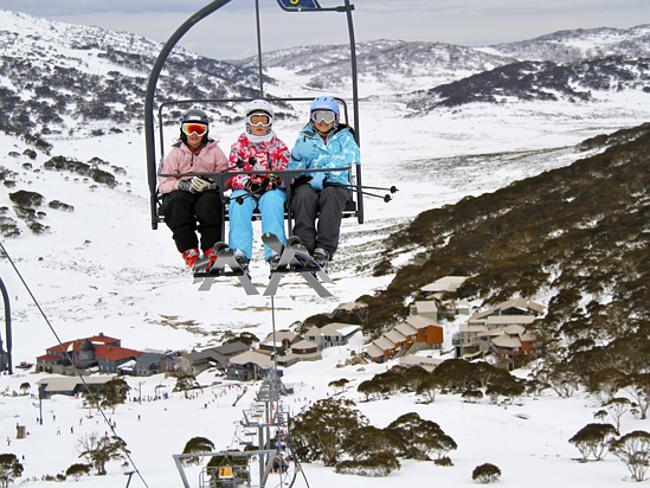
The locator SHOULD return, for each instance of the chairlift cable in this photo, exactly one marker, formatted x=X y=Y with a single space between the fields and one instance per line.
x=77 y=371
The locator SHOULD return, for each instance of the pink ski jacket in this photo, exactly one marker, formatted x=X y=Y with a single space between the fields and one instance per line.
x=181 y=159
x=268 y=156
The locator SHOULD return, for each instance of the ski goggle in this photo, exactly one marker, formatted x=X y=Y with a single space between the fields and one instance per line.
x=326 y=116
x=189 y=128
x=259 y=119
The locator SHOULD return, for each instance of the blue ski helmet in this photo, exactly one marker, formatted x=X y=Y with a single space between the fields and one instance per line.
x=324 y=103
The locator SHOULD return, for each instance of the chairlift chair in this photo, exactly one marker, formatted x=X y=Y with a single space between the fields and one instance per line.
x=354 y=209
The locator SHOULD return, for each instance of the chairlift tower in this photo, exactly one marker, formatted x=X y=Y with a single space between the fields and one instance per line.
x=5 y=356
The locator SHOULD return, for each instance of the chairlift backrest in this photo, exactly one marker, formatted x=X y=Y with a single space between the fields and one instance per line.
x=288 y=5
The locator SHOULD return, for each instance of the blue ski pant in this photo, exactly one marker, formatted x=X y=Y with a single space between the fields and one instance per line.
x=271 y=206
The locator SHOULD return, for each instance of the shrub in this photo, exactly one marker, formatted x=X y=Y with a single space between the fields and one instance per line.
x=443 y=461
x=593 y=439
x=77 y=470
x=377 y=464
x=633 y=450
x=319 y=432
x=486 y=473
x=194 y=445
x=10 y=469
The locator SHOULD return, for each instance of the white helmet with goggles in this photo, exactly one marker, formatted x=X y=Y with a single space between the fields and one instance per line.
x=259 y=114
x=258 y=106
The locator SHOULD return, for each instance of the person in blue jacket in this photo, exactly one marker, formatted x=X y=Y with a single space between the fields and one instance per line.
x=323 y=144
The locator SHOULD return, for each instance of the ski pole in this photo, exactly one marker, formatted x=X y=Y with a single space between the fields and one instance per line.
x=240 y=199
x=386 y=198
x=392 y=189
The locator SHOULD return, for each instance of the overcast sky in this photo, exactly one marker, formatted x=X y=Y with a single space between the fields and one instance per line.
x=230 y=32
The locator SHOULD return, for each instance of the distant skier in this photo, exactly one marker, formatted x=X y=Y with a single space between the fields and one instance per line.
x=188 y=199
x=257 y=149
x=323 y=143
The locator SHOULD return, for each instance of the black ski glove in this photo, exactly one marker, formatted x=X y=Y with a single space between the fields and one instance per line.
x=254 y=186
x=301 y=180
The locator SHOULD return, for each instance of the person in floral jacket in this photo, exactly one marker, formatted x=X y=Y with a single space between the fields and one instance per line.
x=257 y=149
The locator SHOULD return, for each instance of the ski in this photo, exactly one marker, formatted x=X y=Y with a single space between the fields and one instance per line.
x=294 y=258
x=206 y=272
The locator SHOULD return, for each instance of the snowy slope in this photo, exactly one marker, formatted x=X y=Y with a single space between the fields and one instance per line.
x=59 y=78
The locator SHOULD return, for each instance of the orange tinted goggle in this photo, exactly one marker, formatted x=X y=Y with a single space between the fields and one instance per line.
x=194 y=128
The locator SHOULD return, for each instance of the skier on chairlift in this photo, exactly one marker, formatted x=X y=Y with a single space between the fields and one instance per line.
x=257 y=149
x=188 y=199
x=324 y=143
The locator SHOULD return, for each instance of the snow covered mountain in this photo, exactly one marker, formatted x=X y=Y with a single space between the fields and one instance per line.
x=581 y=81
x=57 y=78
x=384 y=66
x=389 y=66
x=573 y=45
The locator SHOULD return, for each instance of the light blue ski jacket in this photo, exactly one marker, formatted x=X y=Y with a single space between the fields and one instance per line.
x=338 y=151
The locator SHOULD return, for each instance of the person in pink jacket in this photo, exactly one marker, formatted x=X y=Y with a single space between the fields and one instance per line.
x=191 y=199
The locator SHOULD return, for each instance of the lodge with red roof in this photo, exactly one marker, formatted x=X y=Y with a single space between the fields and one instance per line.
x=100 y=352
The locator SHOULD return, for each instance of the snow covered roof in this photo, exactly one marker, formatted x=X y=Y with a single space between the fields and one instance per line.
x=333 y=329
x=490 y=333
x=304 y=344
x=506 y=341
x=425 y=306
x=510 y=319
x=384 y=343
x=405 y=329
x=231 y=348
x=514 y=329
x=261 y=360
x=69 y=383
x=395 y=336
x=423 y=361
x=280 y=336
x=373 y=350
x=420 y=322
x=521 y=303
x=469 y=327
x=447 y=283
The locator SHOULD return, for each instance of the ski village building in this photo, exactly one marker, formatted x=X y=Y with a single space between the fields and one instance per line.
x=415 y=330
x=500 y=331
x=100 y=352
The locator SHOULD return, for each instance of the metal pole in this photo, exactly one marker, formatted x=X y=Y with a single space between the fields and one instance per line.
x=40 y=404
x=355 y=101
x=149 y=132
x=259 y=47
x=7 y=305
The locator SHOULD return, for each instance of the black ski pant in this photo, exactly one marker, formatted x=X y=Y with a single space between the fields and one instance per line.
x=306 y=203
x=183 y=210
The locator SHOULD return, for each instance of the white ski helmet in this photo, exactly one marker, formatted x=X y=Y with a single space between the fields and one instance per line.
x=258 y=105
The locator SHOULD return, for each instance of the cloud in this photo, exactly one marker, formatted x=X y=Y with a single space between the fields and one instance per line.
x=82 y=7
x=230 y=33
